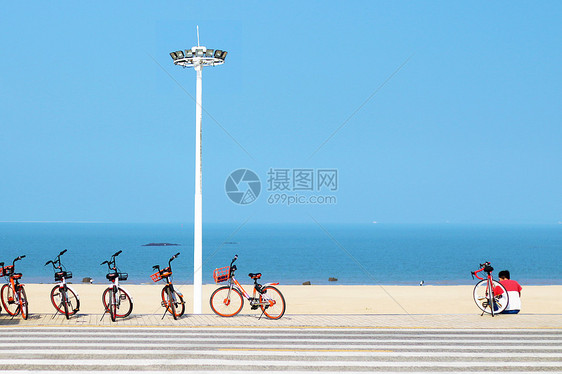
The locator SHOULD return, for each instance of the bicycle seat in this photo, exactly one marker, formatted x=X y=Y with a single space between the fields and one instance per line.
x=112 y=276
x=17 y=275
x=255 y=275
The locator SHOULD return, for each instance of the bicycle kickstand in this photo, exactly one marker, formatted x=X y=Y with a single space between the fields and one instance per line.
x=54 y=315
x=165 y=311
x=103 y=315
x=262 y=312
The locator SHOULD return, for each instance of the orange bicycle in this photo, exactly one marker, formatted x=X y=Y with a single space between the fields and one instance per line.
x=12 y=293
x=172 y=300
x=227 y=301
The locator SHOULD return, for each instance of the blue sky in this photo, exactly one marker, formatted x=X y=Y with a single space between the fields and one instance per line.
x=450 y=111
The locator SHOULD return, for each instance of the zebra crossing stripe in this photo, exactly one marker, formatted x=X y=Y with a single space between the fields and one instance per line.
x=243 y=363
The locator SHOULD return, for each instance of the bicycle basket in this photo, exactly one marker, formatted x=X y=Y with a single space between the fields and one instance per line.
x=123 y=276
x=221 y=274
x=156 y=277
x=8 y=270
x=61 y=274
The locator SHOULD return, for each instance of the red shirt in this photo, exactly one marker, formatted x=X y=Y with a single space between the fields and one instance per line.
x=511 y=285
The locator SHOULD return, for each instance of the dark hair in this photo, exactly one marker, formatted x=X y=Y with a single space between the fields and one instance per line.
x=504 y=274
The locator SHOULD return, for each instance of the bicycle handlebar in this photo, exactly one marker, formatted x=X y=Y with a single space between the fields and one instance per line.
x=17 y=259
x=57 y=261
x=112 y=261
x=483 y=267
x=232 y=266
x=157 y=267
x=172 y=259
x=474 y=274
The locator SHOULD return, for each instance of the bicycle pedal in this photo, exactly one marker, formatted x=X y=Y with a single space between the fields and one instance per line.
x=254 y=307
x=123 y=297
x=164 y=304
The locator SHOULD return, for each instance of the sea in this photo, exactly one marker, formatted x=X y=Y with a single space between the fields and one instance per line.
x=370 y=254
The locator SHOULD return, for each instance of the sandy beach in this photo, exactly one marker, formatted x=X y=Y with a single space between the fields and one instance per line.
x=327 y=299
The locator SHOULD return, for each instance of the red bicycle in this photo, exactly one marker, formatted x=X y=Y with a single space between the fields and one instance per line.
x=489 y=295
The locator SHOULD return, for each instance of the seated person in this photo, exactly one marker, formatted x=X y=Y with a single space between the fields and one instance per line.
x=513 y=290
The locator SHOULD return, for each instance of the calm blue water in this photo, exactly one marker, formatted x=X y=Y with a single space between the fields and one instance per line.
x=292 y=254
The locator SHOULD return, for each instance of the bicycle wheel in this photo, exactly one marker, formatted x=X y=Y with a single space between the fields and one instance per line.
x=226 y=302
x=9 y=300
x=498 y=296
x=23 y=302
x=173 y=301
x=275 y=302
x=110 y=302
x=72 y=300
x=123 y=303
x=65 y=304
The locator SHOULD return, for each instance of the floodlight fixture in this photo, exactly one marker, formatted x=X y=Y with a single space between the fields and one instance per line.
x=199 y=55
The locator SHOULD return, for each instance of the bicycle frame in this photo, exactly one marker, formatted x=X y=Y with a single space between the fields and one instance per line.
x=254 y=299
x=14 y=284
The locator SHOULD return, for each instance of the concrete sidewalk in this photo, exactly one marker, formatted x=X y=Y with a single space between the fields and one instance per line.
x=437 y=321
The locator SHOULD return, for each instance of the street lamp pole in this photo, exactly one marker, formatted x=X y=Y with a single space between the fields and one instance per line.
x=198 y=57
x=198 y=217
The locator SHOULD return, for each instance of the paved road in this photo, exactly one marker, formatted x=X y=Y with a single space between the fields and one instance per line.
x=163 y=350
